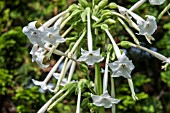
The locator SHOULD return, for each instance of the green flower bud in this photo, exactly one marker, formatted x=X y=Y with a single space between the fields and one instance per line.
x=83 y=3
x=109 y=48
x=71 y=45
x=112 y=5
x=109 y=21
x=126 y=44
x=82 y=83
x=73 y=7
x=83 y=68
x=71 y=39
x=75 y=12
x=84 y=103
x=96 y=1
x=86 y=94
x=104 y=26
x=102 y=3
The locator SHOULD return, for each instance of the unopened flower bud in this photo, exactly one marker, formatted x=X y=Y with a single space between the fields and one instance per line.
x=102 y=3
x=112 y=5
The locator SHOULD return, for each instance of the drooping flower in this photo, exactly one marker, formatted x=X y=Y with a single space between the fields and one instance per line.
x=42 y=84
x=104 y=100
x=147 y=27
x=52 y=36
x=90 y=57
x=156 y=2
x=122 y=67
x=34 y=35
x=42 y=35
x=38 y=56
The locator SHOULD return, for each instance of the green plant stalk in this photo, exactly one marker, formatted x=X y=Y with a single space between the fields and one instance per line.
x=45 y=106
x=98 y=84
x=66 y=20
x=58 y=100
x=113 y=94
x=61 y=75
x=98 y=81
x=129 y=31
x=164 y=11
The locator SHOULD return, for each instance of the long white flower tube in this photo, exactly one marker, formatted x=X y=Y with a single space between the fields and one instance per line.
x=89 y=35
x=105 y=79
x=78 y=101
x=45 y=106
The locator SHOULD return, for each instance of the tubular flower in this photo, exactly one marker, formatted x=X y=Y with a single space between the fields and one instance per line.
x=122 y=67
x=38 y=56
x=147 y=27
x=43 y=35
x=52 y=36
x=34 y=35
x=104 y=100
x=90 y=57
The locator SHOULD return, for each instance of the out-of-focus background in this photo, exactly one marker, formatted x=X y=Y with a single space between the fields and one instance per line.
x=19 y=95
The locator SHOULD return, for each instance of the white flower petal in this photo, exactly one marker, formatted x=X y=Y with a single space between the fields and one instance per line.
x=156 y=2
x=122 y=67
x=90 y=57
x=42 y=84
x=104 y=100
x=147 y=27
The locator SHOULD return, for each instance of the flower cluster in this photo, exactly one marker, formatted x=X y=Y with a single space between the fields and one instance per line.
x=89 y=22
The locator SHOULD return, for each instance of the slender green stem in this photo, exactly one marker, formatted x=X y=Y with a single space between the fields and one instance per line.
x=98 y=84
x=61 y=76
x=129 y=31
x=45 y=106
x=98 y=81
x=113 y=94
x=164 y=11
x=58 y=100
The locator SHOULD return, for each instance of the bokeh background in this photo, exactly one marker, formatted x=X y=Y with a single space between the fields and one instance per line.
x=19 y=95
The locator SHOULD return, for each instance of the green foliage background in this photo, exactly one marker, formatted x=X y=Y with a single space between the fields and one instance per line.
x=16 y=68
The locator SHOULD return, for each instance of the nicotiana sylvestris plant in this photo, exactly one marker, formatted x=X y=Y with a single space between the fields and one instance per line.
x=89 y=20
